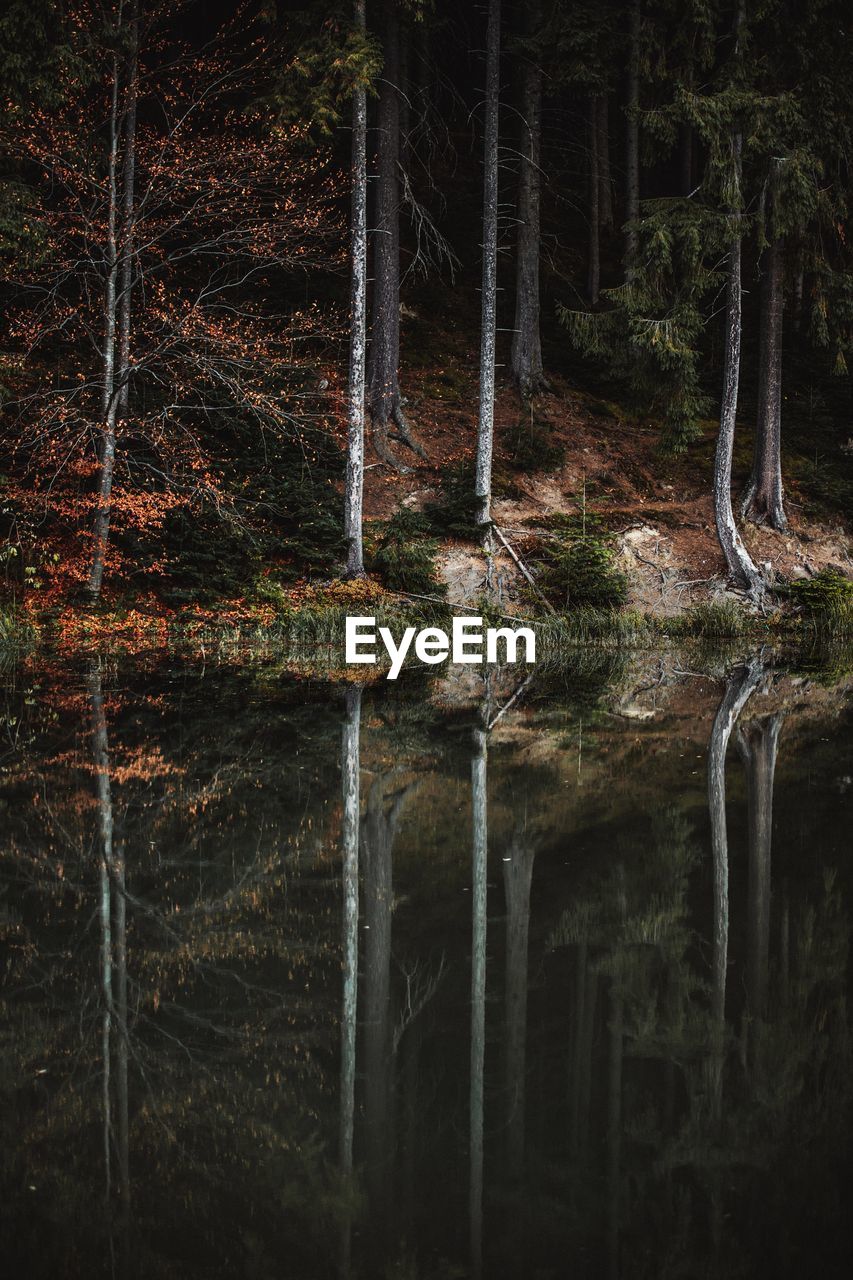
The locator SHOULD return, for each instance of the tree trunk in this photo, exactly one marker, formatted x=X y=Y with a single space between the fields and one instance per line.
x=632 y=143
x=763 y=502
x=738 y=560
x=128 y=219
x=605 y=198
x=593 y=278
x=383 y=383
x=479 y=876
x=108 y=398
x=739 y=689
x=350 y=776
x=354 y=477
x=526 y=352
x=486 y=413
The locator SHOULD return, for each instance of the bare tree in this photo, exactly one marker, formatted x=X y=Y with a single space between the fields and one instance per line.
x=632 y=141
x=383 y=359
x=763 y=501
x=593 y=279
x=486 y=411
x=738 y=560
x=354 y=478
x=526 y=352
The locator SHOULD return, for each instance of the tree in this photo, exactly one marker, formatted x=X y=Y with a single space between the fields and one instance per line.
x=354 y=481
x=383 y=380
x=187 y=214
x=526 y=351
x=486 y=410
x=632 y=140
x=738 y=560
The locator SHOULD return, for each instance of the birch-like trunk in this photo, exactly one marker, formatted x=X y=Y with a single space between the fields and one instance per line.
x=128 y=216
x=593 y=278
x=738 y=560
x=763 y=501
x=526 y=352
x=486 y=412
x=109 y=403
x=739 y=689
x=479 y=876
x=354 y=477
x=632 y=142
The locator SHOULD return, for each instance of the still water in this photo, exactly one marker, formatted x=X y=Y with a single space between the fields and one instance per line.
x=439 y=979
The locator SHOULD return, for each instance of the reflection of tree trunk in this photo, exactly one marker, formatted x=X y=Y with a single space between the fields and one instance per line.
x=740 y=687
x=122 y=1048
x=758 y=744
x=518 y=874
x=350 y=769
x=614 y=1132
x=478 y=995
x=378 y=829
x=100 y=754
x=586 y=993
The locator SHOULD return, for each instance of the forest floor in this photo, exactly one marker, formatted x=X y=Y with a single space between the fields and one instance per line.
x=657 y=508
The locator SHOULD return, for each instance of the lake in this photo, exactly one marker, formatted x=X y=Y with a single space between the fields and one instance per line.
x=439 y=978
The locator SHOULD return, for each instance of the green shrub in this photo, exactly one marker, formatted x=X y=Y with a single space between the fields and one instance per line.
x=405 y=556
x=826 y=601
x=579 y=571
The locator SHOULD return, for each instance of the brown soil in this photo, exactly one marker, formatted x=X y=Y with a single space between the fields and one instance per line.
x=658 y=508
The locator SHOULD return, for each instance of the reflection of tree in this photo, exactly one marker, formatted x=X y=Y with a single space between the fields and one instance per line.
x=479 y=877
x=350 y=775
x=758 y=743
x=739 y=690
x=378 y=831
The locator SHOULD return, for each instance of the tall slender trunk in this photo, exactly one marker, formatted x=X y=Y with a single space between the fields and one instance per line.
x=738 y=560
x=526 y=352
x=479 y=875
x=605 y=199
x=127 y=214
x=350 y=775
x=101 y=530
x=763 y=501
x=798 y=289
x=383 y=359
x=739 y=689
x=486 y=412
x=632 y=142
x=593 y=278
x=354 y=477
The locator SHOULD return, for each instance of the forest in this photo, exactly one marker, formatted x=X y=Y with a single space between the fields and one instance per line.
x=545 y=310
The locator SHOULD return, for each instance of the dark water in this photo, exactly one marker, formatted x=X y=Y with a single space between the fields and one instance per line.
x=303 y=982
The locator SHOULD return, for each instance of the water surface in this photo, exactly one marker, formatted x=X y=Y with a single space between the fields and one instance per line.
x=429 y=979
